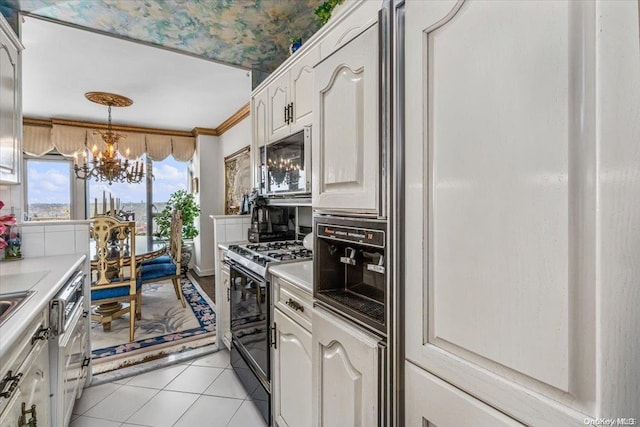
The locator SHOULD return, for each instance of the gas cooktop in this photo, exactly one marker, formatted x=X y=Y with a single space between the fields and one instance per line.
x=257 y=256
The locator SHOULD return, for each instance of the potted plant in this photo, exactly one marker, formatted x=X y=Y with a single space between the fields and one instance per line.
x=186 y=203
x=323 y=12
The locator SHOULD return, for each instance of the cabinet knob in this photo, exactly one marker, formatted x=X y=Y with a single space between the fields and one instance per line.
x=41 y=334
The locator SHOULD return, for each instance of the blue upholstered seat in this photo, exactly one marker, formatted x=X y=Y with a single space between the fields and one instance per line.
x=121 y=291
x=160 y=260
x=158 y=270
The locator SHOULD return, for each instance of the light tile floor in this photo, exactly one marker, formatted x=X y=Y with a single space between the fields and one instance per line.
x=204 y=391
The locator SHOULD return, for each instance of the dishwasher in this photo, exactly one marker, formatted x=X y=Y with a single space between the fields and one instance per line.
x=68 y=349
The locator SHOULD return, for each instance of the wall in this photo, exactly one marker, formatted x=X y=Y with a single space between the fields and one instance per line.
x=11 y=196
x=237 y=137
x=49 y=238
x=208 y=164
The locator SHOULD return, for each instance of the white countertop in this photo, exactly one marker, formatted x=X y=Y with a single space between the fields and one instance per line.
x=43 y=275
x=298 y=273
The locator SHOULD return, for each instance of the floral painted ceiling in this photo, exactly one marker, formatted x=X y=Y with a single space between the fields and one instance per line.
x=253 y=34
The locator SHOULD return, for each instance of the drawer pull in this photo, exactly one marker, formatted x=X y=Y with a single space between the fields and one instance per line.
x=22 y=420
x=9 y=378
x=42 y=334
x=86 y=362
x=295 y=305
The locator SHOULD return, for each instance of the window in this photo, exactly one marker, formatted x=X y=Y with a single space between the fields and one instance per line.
x=48 y=189
x=169 y=175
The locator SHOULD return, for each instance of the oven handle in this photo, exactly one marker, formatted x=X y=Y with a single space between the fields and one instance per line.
x=240 y=269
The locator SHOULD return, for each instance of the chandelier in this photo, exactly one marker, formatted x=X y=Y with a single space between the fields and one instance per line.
x=108 y=165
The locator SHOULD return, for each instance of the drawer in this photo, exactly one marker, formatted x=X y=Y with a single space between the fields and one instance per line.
x=17 y=360
x=348 y=25
x=293 y=301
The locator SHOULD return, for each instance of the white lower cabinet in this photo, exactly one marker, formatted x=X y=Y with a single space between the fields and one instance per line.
x=346 y=362
x=25 y=380
x=446 y=405
x=291 y=373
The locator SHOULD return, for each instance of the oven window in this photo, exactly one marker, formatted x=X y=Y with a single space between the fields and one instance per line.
x=249 y=317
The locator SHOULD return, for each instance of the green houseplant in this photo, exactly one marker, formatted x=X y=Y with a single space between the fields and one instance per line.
x=323 y=12
x=186 y=203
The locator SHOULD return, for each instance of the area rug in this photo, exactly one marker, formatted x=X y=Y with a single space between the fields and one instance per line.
x=165 y=328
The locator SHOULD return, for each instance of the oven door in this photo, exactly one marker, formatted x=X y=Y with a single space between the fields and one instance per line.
x=250 y=318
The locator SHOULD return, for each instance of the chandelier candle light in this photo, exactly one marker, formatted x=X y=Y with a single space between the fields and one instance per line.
x=109 y=165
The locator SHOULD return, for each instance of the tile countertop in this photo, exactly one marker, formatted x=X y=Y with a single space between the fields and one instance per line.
x=298 y=273
x=43 y=275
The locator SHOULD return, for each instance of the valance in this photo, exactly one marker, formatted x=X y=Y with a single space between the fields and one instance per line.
x=40 y=140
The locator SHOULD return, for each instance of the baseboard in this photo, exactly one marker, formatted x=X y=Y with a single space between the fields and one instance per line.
x=203 y=273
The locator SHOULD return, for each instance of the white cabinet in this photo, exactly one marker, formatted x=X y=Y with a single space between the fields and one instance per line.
x=224 y=306
x=446 y=406
x=25 y=378
x=259 y=117
x=346 y=364
x=346 y=149
x=512 y=294
x=10 y=105
x=291 y=373
x=291 y=354
x=290 y=97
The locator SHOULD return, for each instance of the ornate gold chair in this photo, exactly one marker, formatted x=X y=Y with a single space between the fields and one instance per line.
x=113 y=272
x=167 y=266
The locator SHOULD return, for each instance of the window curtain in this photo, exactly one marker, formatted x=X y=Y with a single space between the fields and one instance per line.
x=68 y=140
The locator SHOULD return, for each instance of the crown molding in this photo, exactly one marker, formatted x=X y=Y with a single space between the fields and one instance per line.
x=236 y=118
x=224 y=126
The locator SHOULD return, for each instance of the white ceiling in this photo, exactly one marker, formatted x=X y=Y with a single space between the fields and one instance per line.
x=169 y=90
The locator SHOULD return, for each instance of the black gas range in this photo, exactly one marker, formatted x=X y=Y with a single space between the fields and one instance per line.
x=257 y=256
x=250 y=300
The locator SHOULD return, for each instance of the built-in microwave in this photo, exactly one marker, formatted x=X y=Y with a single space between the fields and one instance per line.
x=285 y=165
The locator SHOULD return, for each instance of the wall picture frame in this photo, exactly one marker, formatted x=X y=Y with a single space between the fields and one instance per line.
x=237 y=179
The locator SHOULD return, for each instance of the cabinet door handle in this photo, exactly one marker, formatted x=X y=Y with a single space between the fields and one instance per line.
x=228 y=294
x=86 y=362
x=286 y=114
x=41 y=334
x=295 y=305
x=274 y=336
x=9 y=378
x=22 y=420
x=290 y=107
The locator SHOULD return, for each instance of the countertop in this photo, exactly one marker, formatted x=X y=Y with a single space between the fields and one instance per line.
x=43 y=275
x=298 y=273
x=225 y=245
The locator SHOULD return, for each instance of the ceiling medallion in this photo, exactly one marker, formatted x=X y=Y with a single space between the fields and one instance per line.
x=108 y=165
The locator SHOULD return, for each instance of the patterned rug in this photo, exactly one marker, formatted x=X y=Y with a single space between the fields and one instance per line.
x=165 y=328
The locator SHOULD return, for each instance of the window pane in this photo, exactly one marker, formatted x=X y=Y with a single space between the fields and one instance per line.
x=169 y=176
x=128 y=197
x=48 y=189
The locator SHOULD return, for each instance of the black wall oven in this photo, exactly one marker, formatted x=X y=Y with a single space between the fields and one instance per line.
x=250 y=334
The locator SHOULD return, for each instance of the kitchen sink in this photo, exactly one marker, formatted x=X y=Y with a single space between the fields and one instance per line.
x=9 y=303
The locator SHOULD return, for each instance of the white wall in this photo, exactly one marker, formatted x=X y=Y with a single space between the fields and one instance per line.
x=236 y=138
x=208 y=164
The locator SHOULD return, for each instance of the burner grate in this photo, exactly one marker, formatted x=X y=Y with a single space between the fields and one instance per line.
x=371 y=309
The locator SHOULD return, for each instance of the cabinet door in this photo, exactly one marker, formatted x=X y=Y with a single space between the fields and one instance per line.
x=10 y=108
x=498 y=297
x=291 y=373
x=345 y=373
x=446 y=406
x=34 y=385
x=224 y=306
x=301 y=84
x=345 y=141
x=278 y=100
x=259 y=113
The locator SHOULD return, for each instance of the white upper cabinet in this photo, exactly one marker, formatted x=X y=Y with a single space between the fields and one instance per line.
x=10 y=105
x=501 y=205
x=346 y=147
x=259 y=117
x=290 y=95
